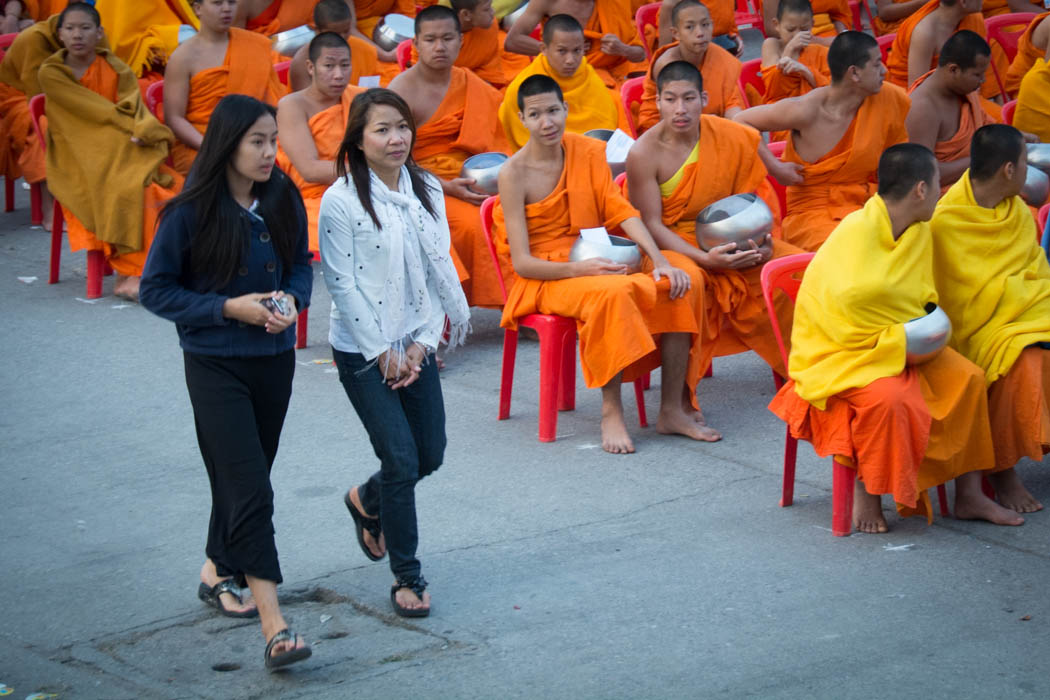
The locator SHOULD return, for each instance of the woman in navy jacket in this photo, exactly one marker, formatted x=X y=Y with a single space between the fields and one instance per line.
x=230 y=266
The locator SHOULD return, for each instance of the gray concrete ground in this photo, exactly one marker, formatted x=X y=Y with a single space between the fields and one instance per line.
x=557 y=570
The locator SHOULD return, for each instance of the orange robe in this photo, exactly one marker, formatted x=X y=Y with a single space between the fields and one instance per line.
x=618 y=317
x=991 y=8
x=612 y=17
x=841 y=180
x=245 y=70
x=125 y=214
x=364 y=61
x=370 y=12
x=1026 y=56
x=882 y=27
x=328 y=127
x=513 y=63
x=40 y=10
x=281 y=15
x=144 y=33
x=721 y=73
x=736 y=318
x=780 y=86
x=897 y=61
x=826 y=12
x=463 y=125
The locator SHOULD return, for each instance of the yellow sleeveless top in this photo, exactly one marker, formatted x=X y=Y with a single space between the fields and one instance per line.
x=668 y=188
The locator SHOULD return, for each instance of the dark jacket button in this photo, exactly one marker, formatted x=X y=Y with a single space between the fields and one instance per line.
x=264 y=237
x=270 y=266
x=243 y=272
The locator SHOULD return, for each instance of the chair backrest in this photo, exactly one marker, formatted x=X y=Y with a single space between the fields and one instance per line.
x=37 y=105
x=750 y=74
x=1006 y=30
x=404 y=54
x=486 y=226
x=621 y=181
x=5 y=42
x=777 y=149
x=885 y=42
x=282 y=69
x=631 y=94
x=780 y=274
x=1008 y=112
x=647 y=16
x=155 y=99
x=745 y=17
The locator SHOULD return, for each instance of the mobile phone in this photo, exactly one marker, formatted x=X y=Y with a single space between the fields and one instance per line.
x=277 y=306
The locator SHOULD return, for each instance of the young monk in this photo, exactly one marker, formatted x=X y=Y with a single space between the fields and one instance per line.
x=613 y=46
x=312 y=121
x=455 y=115
x=337 y=17
x=723 y=25
x=903 y=428
x=691 y=30
x=914 y=50
x=628 y=324
x=480 y=52
x=1031 y=46
x=591 y=104
x=792 y=62
x=676 y=169
x=994 y=282
x=219 y=60
x=830 y=17
x=837 y=134
x=103 y=147
x=1033 y=100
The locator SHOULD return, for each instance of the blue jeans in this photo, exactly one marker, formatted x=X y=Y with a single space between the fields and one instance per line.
x=407 y=430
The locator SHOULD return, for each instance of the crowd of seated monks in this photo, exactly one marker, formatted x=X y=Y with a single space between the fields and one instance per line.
x=897 y=170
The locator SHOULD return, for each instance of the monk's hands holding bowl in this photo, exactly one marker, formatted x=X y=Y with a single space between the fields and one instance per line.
x=680 y=282
x=459 y=188
x=786 y=173
x=279 y=322
x=730 y=256
x=597 y=266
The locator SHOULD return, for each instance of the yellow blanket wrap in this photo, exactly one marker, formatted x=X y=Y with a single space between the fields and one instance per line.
x=145 y=32
x=992 y=277
x=857 y=293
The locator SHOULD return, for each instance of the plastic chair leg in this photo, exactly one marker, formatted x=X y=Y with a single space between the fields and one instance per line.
x=567 y=374
x=942 y=497
x=300 y=328
x=36 y=205
x=551 y=354
x=96 y=261
x=9 y=194
x=58 y=221
x=647 y=381
x=787 y=490
x=510 y=351
x=639 y=397
x=107 y=270
x=841 y=500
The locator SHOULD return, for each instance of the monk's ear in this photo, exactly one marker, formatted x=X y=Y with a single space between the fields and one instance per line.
x=703 y=99
x=922 y=190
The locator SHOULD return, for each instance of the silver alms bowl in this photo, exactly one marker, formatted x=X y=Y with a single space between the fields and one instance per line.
x=484 y=168
x=392 y=30
x=511 y=17
x=927 y=335
x=287 y=43
x=605 y=135
x=1036 y=187
x=620 y=250
x=734 y=219
x=1039 y=156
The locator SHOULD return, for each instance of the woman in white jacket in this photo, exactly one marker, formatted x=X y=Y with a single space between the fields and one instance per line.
x=385 y=246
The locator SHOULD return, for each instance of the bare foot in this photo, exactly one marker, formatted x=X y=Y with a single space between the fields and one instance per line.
x=407 y=598
x=377 y=548
x=439 y=361
x=675 y=422
x=867 y=511
x=1012 y=494
x=127 y=288
x=210 y=577
x=614 y=433
x=971 y=504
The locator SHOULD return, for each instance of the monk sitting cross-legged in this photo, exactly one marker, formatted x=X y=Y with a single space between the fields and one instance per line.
x=691 y=29
x=792 y=62
x=311 y=123
x=555 y=186
x=903 y=427
x=455 y=115
x=219 y=60
x=1033 y=99
x=1031 y=46
x=678 y=168
x=337 y=17
x=103 y=148
x=837 y=134
x=591 y=104
x=994 y=283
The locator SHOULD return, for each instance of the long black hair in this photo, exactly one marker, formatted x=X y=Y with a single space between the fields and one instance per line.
x=221 y=226
x=350 y=160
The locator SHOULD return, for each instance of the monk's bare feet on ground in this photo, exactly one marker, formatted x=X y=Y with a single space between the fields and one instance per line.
x=127 y=288
x=867 y=511
x=377 y=548
x=674 y=422
x=614 y=432
x=1012 y=494
x=972 y=504
x=210 y=577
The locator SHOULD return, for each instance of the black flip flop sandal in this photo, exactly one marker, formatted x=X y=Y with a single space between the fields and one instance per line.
x=210 y=596
x=361 y=524
x=276 y=661
x=416 y=584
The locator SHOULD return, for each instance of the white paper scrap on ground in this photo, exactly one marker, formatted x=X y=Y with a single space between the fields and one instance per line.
x=595 y=235
x=27 y=280
x=617 y=146
x=368 y=81
x=120 y=306
x=88 y=301
x=898 y=548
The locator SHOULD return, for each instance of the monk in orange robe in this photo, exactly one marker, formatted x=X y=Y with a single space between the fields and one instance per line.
x=1031 y=46
x=455 y=115
x=994 y=283
x=853 y=394
x=671 y=179
x=724 y=31
x=269 y=17
x=614 y=48
x=337 y=17
x=792 y=62
x=914 y=50
x=480 y=51
x=829 y=16
x=946 y=107
x=836 y=136
x=691 y=31
x=628 y=324
x=103 y=148
x=991 y=8
x=218 y=61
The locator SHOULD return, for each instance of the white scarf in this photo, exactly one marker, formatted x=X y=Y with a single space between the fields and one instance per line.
x=406 y=222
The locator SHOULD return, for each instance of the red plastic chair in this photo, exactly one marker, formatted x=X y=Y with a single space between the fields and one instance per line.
x=1044 y=214
x=1007 y=29
x=777 y=149
x=746 y=17
x=780 y=274
x=631 y=94
x=404 y=54
x=96 y=261
x=647 y=16
x=155 y=99
x=750 y=74
x=282 y=69
x=557 y=354
x=885 y=42
x=1008 y=112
